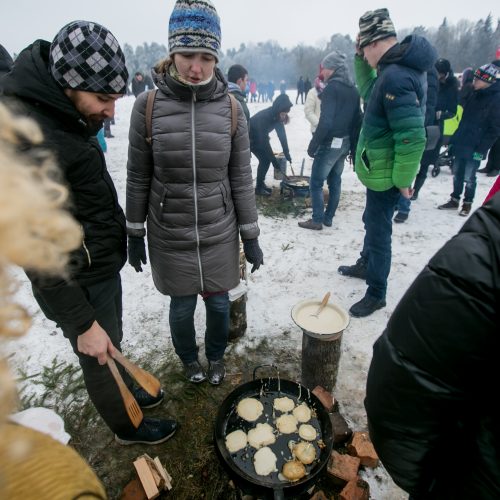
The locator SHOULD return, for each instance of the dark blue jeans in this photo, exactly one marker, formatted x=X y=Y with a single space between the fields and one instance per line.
x=377 y=218
x=464 y=170
x=328 y=165
x=404 y=205
x=182 y=326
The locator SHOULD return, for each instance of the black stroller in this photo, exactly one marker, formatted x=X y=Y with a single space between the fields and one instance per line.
x=444 y=159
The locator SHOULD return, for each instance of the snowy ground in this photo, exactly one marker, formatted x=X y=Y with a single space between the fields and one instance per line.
x=299 y=264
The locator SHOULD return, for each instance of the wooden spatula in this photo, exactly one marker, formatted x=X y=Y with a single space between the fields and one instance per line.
x=131 y=405
x=147 y=381
x=322 y=305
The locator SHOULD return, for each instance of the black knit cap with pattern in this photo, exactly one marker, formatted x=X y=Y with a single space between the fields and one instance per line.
x=86 y=56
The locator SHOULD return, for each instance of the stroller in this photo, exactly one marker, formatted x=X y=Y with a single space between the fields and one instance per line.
x=444 y=159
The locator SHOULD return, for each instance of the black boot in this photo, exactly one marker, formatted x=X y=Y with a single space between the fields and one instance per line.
x=358 y=270
x=366 y=306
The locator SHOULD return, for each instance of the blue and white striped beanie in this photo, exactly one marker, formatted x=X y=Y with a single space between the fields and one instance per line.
x=194 y=26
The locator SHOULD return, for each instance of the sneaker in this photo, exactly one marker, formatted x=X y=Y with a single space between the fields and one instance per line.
x=263 y=191
x=366 y=306
x=358 y=270
x=451 y=204
x=151 y=431
x=466 y=208
x=310 y=224
x=327 y=222
x=400 y=217
x=145 y=400
x=492 y=173
x=194 y=372
x=216 y=371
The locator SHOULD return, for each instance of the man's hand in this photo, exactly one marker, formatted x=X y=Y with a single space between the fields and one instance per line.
x=407 y=192
x=95 y=342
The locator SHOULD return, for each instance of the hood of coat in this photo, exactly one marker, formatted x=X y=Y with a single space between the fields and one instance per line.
x=281 y=104
x=342 y=75
x=413 y=52
x=30 y=80
x=212 y=90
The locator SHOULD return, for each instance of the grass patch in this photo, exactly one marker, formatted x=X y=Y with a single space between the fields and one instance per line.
x=190 y=455
x=278 y=206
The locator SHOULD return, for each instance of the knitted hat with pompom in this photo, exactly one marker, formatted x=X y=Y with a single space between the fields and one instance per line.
x=194 y=26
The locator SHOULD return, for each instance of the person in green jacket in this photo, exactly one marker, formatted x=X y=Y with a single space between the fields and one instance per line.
x=391 y=78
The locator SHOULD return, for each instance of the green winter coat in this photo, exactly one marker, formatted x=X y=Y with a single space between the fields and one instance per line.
x=392 y=138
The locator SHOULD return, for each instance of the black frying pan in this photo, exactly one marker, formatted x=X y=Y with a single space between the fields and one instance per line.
x=240 y=465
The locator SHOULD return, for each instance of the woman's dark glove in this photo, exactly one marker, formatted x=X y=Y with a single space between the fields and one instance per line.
x=136 y=252
x=253 y=253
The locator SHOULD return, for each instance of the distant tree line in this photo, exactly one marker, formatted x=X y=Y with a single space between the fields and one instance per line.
x=465 y=44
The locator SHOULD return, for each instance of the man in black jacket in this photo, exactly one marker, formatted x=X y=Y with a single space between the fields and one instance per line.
x=69 y=87
x=340 y=115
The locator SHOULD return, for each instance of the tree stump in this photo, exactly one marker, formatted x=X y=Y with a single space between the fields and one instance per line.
x=320 y=361
x=238 y=307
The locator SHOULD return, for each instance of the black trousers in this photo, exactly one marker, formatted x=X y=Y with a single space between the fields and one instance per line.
x=494 y=157
x=106 y=299
x=263 y=167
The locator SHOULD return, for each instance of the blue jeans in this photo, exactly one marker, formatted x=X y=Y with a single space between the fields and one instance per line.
x=181 y=319
x=464 y=170
x=328 y=165
x=377 y=218
x=404 y=204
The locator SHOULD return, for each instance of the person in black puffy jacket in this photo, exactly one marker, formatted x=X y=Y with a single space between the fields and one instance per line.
x=431 y=391
x=69 y=88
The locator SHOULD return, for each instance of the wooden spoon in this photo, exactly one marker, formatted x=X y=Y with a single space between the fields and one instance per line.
x=147 y=381
x=322 y=305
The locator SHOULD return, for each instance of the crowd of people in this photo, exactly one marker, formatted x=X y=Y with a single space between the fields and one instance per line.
x=190 y=200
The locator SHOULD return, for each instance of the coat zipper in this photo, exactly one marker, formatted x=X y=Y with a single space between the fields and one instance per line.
x=195 y=188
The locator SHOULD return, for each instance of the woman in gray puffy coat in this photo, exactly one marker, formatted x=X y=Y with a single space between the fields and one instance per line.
x=193 y=186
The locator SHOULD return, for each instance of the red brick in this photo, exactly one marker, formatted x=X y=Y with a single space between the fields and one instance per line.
x=342 y=468
x=361 y=447
x=325 y=397
x=133 y=491
x=357 y=489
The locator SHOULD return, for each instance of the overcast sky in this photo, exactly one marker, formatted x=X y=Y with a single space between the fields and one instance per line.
x=289 y=22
